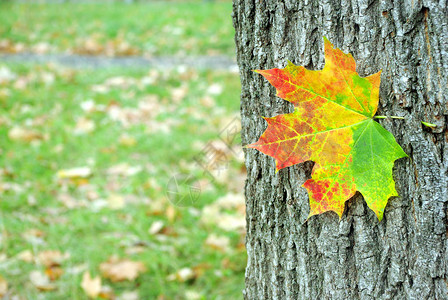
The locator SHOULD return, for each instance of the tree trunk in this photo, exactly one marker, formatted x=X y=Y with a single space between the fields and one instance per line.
x=405 y=256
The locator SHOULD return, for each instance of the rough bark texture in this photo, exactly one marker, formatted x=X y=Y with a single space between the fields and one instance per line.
x=405 y=256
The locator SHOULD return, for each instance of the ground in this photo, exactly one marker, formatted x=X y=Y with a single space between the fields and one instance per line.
x=120 y=181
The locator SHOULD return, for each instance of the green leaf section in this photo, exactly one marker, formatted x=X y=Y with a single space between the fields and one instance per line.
x=374 y=152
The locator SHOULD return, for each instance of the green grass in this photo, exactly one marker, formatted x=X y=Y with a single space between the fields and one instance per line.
x=31 y=193
x=119 y=29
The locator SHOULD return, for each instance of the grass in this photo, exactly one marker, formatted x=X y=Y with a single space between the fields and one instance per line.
x=35 y=214
x=200 y=28
x=135 y=131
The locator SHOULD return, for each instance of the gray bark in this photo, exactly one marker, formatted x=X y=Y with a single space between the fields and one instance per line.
x=405 y=256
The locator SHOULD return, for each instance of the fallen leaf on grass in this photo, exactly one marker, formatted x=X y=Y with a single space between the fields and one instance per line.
x=220 y=243
x=171 y=213
x=8 y=46
x=218 y=213
x=135 y=250
x=71 y=202
x=215 y=89
x=207 y=101
x=50 y=258
x=124 y=169
x=130 y=295
x=6 y=75
x=24 y=135
x=26 y=256
x=54 y=272
x=91 y=286
x=34 y=236
x=89 y=106
x=156 y=227
x=182 y=275
x=89 y=46
x=77 y=269
x=178 y=94
x=116 y=201
x=81 y=172
x=83 y=126
x=193 y=295
x=126 y=140
x=41 y=48
x=117 y=269
x=3 y=286
x=107 y=293
x=41 y=281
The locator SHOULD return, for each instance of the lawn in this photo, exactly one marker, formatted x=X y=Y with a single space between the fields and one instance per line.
x=120 y=183
x=118 y=29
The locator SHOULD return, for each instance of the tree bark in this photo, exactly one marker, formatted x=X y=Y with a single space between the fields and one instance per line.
x=405 y=256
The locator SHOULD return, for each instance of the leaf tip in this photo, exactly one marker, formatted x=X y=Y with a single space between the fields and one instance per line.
x=379 y=215
x=327 y=42
x=430 y=125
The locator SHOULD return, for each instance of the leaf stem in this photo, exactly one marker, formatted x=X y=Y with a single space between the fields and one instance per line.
x=429 y=124
x=402 y=118
x=385 y=117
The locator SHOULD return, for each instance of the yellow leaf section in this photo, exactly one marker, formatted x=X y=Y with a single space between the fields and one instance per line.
x=332 y=180
x=338 y=83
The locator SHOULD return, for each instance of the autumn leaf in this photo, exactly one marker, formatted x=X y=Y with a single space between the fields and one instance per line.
x=41 y=281
x=332 y=125
x=91 y=286
x=3 y=287
x=117 y=269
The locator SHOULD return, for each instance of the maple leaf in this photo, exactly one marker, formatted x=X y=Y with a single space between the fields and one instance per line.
x=332 y=125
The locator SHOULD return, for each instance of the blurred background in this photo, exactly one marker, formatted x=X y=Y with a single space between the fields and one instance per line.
x=121 y=169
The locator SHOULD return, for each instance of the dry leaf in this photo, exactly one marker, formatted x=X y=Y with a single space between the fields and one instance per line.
x=192 y=295
x=54 y=272
x=178 y=94
x=24 y=134
x=34 y=236
x=126 y=140
x=220 y=243
x=116 y=201
x=6 y=75
x=50 y=258
x=41 y=48
x=217 y=213
x=107 y=293
x=26 y=256
x=130 y=295
x=215 y=89
x=171 y=213
x=117 y=269
x=77 y=269
x=3 y=286
x=81 y=172
x=84 y=126
x=41 y=281
x=182 y=275
x=156 y=227
x=124 y=169
x=91 y=286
